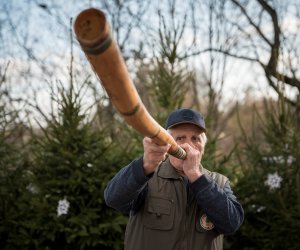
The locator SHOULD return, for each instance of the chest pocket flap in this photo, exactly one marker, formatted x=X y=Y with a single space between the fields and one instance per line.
x=158 y=213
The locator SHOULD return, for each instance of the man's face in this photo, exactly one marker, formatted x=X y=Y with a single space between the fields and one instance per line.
x=187 y=133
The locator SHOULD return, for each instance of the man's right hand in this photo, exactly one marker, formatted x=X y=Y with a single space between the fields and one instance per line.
x=153 y=155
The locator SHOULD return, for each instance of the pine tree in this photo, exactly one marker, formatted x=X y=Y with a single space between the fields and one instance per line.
x=270 y=185
x=72 y=164
x=14 y=170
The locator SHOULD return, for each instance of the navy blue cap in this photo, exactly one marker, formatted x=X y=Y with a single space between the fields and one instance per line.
x=182 y=116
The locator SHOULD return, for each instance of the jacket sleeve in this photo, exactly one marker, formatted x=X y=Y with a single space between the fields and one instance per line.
x=126 y=191
x=220 y=204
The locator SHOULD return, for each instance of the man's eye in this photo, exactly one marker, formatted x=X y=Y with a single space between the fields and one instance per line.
x=196 y=139
x=180 y=138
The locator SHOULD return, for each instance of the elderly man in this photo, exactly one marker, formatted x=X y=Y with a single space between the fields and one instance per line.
x=175 y=204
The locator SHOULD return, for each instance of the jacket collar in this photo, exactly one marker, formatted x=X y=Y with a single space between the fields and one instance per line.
x=166 y=170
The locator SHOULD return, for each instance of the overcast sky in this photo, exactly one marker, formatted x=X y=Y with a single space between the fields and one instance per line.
x=35 y=37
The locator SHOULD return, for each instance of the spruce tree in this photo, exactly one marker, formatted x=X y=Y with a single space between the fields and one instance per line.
x=72 y=164
x=14 y=170
x=269 y=187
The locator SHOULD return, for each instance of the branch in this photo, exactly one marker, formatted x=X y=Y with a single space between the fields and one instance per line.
x=275 y=47
x=294 y=82
x=279 y=92
x=251 y=22
x=225 y=52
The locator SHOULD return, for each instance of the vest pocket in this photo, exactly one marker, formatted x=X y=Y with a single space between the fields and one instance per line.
x=159 y=213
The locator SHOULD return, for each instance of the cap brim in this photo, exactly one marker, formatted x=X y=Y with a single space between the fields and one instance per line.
x=186 y=122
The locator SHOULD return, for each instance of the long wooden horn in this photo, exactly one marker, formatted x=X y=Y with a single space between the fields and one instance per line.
x=94 y=35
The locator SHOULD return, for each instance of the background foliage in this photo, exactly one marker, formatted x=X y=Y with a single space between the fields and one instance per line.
x=271 y=207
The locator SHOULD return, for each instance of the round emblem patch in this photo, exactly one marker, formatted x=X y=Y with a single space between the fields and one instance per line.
x=206 y=223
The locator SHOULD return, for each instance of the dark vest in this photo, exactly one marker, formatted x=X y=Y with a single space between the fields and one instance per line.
x=170 y=218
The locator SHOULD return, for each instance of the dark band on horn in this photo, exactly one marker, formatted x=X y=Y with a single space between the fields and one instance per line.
x=99 y=48
x=132 y=112
x=156 y=134
x=179 y=153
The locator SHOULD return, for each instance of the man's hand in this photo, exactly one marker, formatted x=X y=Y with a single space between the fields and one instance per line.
x=190 y=165
x=153 y=155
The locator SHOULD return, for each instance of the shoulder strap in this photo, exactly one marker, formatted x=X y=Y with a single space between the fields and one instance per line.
x=218 y=178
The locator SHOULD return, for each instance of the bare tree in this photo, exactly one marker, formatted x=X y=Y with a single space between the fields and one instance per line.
x=267 y=33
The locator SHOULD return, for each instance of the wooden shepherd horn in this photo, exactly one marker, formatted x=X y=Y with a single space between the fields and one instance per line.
x=94 y=35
